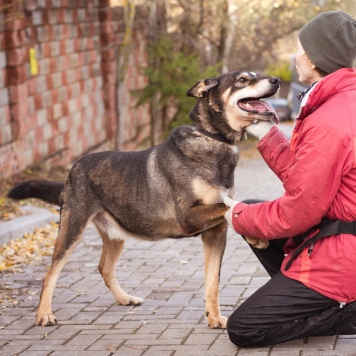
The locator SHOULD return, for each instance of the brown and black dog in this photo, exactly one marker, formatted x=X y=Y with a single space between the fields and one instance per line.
x=172 y=190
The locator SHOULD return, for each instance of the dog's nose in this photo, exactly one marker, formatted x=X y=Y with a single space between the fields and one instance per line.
x=274 y=80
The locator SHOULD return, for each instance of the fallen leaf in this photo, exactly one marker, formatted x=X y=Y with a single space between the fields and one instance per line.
x=29 y=249
x=111 y=348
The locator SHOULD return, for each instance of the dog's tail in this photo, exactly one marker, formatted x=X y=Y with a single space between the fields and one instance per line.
x=45 y=190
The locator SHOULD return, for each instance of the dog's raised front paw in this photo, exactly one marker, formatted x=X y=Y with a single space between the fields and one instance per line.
x=45 y=320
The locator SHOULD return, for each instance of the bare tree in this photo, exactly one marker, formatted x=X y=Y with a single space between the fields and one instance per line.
x=242 y=33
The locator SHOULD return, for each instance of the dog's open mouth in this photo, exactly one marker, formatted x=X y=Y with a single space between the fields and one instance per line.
x=255 y=106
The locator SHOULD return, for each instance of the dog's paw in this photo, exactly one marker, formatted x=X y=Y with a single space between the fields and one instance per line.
x=217 y=322
x=45 y=320
x=257 y=243
x=130 y=300
x=135 y=300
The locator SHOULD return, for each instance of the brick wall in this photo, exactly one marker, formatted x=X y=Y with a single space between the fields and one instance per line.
x=73 y=104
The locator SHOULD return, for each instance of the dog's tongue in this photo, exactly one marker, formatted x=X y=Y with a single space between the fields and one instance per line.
x=258 y=105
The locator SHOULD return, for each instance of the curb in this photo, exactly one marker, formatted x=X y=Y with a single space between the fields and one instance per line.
x=35 y=218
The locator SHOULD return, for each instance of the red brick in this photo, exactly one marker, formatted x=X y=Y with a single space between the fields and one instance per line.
x=32 y=121
x=17 y=56
x=18 y=92
x=105 y=14
x=3 y=78
x=38 y=134
x=19 y=111
x=53 y=16
x=90 y=43
x=31 y=85
x=53 y=65
x=57 y=111
x=93 y=56
x=108 y=54
x=50 y=114
x=62 y=47
x=12 y=39
x=65 y=109
x=16 y=127
x=5 y=114
x=14 y=24
x=108 y=67
x=106 y=27
x=45 y=49
x=106 y=39
x=44 y=66
x=45 y=17
x=52 y=146
x=27 y=36
x=38 y=101
x=16 y=75
x=41 y=85
x=2 y=40
x=60 y=15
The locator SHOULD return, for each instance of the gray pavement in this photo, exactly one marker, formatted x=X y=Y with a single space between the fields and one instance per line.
x=169 y=276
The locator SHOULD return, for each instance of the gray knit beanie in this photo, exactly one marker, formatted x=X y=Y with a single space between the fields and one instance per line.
x=329 y=40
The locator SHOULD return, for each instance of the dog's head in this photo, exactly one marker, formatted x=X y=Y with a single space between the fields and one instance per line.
x=227 y=104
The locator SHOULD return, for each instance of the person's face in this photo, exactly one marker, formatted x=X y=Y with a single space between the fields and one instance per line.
x=306 y=69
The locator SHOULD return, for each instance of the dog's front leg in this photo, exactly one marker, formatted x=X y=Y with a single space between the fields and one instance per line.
x=203 y=217
x=214 y=241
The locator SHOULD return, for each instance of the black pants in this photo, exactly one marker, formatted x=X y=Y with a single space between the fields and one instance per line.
x=285 y=309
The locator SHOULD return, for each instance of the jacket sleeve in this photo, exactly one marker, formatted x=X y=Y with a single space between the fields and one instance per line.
x=275 y=150
x=310 y=186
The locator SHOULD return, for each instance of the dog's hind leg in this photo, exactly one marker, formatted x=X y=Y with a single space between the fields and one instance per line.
x=68 y=238
x=214 y=241
x=112 y=249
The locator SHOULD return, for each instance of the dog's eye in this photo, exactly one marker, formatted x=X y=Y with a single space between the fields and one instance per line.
x=242 y=80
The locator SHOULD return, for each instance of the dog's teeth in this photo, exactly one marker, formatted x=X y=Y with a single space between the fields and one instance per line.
x=255 y=121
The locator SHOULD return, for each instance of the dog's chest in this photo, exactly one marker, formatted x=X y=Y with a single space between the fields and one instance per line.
x=207 y=193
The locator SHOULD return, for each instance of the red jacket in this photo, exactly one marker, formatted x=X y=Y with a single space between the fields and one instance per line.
x=318 y=171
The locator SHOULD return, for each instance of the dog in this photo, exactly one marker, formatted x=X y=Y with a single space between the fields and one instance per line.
x=172 y=190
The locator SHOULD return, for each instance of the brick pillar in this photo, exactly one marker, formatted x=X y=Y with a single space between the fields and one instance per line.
x=16 y=47
x=16 y=34
x=108 y=67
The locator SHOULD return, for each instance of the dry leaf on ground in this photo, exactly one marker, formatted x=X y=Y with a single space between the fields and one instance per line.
x=29 y=249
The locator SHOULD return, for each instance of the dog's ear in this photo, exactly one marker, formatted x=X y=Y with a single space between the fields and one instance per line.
x=202 y=87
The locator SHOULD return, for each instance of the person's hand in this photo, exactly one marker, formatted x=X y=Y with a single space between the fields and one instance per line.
x=228 y=215
x=260 y=128
x=256 y=243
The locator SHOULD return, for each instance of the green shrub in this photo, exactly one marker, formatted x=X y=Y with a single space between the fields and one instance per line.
x=281 y=70
x=171 y=74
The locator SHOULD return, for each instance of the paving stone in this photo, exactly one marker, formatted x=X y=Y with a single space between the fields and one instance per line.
x=256 y=352
x=346 y=344
x=325 y=353
x=77 y=353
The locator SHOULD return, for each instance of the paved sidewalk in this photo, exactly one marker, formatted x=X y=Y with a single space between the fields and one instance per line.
x=169 y=276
